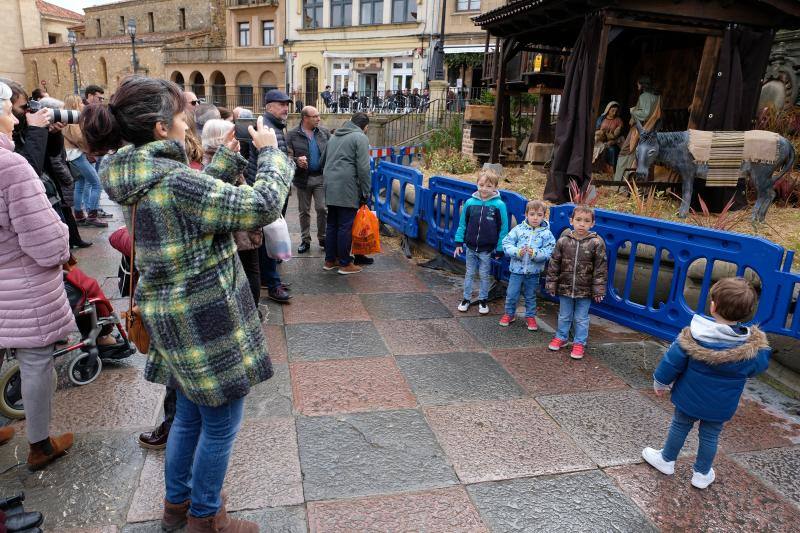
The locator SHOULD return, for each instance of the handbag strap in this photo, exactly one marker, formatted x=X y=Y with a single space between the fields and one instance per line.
x=133 y=257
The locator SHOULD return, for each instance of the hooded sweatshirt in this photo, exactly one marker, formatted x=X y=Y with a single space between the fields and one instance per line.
x=539 y=238
x=192 y=292
x=345 y=164
x=483 y=224
x=709 y=364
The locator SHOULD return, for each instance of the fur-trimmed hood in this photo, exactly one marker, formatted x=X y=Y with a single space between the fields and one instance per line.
x=743 y=352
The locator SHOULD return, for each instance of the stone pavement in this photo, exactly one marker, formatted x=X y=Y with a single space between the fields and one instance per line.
x=391 y=411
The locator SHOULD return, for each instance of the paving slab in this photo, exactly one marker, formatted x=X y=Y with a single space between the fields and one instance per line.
x=276 y=343
x=119 y=398
x=338 y=340
x=542 y=372
x=314 y=308
x=779 y=468
x=380 y=282
x=271 y=520
x=301 y=264
x=409 y=337
x=365 y=454
x=457 y=377
x=736 y=501
x=632 y=361
x=318 y=282
x=264 y=471
x=272 y=397
x=404 y=306
x=316 y=251
x=390 y=261
x=493 y=336
x=583 y=501
x=439 y=280
x=451 y=299
x=444 y=511
x=347 y=386
x=489 y=441
x=91 y=486
x=274 y=310
x=613 y=426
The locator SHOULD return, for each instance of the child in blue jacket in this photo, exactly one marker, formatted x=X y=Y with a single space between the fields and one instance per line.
x=529 y=245
x=481 y=228
x=707 y=367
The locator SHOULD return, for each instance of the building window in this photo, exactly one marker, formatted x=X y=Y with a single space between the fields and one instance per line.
x=371 y=11
x=99 y=33
x=402 y=73
x=404 y=10
x=122 y=24
x=341 y=77
x=341 y=13
x=468 y=5
x=245 y=96
x=151 y=23
x=53 y=38
x=182 y=18
x=244 y=34
x=268 y=32
x=312 y=13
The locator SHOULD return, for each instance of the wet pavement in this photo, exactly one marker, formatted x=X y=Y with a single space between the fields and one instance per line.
x=391 y=411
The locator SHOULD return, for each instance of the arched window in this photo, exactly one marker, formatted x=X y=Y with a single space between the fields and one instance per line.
x=177 y=78
x=312 y=86
x=198 y=84
x=218 y=96
x=244 y=90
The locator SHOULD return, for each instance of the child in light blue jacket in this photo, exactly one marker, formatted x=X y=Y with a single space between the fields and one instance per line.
x=529 y=245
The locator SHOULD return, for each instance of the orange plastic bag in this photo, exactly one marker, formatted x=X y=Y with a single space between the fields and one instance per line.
x=366 y=238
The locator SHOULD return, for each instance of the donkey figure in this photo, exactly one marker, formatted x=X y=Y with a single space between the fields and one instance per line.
x=672 y=149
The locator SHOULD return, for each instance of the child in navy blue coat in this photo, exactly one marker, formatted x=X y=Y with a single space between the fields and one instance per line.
x=707 y=367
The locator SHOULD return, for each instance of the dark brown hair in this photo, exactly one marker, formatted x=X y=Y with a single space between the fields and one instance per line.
x=130 y=116
x=734 y=298
x=536 y=205
x=360 y=119
x=582 y=209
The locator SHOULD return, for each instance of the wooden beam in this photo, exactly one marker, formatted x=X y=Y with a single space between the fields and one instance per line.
x=705 y=75
x=597 y=88
x=499 y=94
x=645 y=25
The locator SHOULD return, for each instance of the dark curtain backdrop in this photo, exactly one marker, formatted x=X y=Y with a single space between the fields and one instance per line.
x=574 y=137
x=736 y=84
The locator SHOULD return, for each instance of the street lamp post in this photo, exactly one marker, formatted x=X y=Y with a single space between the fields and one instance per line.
x=131 y=30
x=72 y=39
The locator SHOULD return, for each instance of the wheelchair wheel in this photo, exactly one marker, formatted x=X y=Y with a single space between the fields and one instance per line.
x=81 y=372
x=11 y=392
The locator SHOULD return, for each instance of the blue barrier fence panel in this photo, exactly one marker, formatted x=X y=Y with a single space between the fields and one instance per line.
x=404 y=155
x=400 y=218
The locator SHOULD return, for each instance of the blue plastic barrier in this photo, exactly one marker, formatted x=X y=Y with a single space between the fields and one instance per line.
x=382 y=182
x=382 y=153
x=681 y=245
x=404 y=155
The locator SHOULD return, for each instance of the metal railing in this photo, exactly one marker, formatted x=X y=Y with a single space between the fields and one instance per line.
x=407 y=127
x=246 y=3
x=195 y=55
x=375 y=102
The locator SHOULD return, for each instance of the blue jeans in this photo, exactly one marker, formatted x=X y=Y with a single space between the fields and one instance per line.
x=708 y=433
x=527 y=283
x=87 y=188
x=198 y=449
x=573 y=311
x=268 y=268
x=339 y=234
x=482 y=262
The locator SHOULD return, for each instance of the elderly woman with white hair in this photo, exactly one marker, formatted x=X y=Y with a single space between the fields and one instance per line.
x=34 y=311
x=215 y=132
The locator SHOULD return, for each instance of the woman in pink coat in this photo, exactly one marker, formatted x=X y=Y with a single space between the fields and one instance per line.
x=34 y=311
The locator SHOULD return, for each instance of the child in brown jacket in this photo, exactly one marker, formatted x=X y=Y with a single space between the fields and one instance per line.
x=577 y=274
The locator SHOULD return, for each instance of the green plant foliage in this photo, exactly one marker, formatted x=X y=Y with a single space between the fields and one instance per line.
x=450 y=161
x=464 y=60
x=486 y=98
x=449 y=137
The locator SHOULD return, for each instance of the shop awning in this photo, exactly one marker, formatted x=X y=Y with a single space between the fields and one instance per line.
x=466 y=48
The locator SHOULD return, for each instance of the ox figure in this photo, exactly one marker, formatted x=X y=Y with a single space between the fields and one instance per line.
x=672 y=149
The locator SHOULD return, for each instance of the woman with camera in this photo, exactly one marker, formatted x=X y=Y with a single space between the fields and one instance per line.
x=34 y=311
x=192 y=293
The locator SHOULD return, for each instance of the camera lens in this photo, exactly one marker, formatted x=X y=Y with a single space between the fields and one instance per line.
x=33 y=106
x=67 y=116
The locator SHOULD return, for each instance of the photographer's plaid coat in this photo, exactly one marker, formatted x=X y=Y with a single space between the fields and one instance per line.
x=192 y=291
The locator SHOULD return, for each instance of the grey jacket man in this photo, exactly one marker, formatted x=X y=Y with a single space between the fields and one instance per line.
x=345 y=164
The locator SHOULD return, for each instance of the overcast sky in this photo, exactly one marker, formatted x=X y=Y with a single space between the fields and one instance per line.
x=78 y=5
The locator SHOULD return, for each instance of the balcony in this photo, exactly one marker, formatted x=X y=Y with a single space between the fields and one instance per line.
x=251 y=3
x=195 y=55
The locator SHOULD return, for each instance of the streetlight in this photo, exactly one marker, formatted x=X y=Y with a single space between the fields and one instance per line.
x=72 y=39
x=131 y=30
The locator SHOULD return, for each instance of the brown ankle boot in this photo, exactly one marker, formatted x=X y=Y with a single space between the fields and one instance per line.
x=45 y=452
x=219 y=523
x=174 y=515
x=6 y=434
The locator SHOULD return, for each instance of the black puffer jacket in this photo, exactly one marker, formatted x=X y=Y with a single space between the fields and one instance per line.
x=270 y=121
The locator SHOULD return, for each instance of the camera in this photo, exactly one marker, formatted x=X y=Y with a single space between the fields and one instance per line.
x=67 y=116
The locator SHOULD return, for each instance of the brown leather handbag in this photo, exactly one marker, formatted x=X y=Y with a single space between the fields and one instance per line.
x=134 y=325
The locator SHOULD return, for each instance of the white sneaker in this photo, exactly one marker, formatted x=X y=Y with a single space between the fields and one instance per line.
x=702 y=481
x=463 y=306
x=656 y=460
x=483 y=307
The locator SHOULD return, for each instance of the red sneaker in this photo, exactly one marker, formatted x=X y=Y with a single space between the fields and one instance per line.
x=505 y=320
x=577 y=351
x=556 y=344
x=532 y=325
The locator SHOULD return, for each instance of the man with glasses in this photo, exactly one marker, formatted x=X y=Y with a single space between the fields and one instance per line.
x=94 y=94
x=306 y=144
x=191 y=101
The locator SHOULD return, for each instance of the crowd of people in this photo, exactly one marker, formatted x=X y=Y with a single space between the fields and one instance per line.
x=397 y=101
x=196 y=189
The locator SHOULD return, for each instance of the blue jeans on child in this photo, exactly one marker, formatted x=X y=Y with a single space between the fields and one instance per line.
x=527 y=283
x=87 y=187
x=573 y=310
x=708 y=433
x=482 y=262
x=198 y=449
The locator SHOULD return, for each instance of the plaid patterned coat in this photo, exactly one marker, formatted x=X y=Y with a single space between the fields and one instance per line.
x=192 y=291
